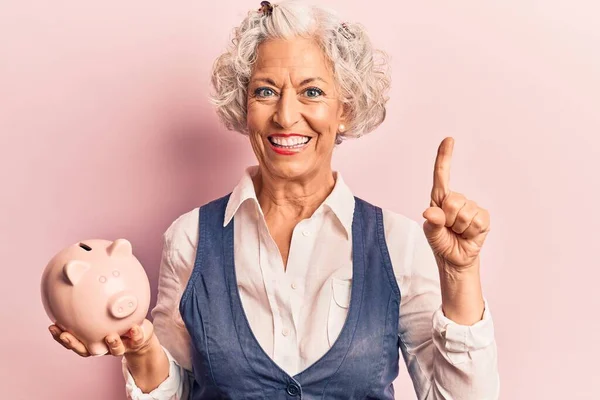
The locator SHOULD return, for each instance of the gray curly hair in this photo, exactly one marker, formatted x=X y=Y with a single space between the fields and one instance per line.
x=361 y=80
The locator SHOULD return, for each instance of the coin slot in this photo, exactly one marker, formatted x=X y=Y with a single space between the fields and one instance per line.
x=85 y=247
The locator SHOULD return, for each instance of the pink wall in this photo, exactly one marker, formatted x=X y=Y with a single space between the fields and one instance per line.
x=106 y=132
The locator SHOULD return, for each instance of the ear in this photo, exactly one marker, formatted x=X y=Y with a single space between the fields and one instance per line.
x=343 y=113
x=120 y=247
x=74 y=270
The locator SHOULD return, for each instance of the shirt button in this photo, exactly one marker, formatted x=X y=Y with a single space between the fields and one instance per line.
x=305 y=233
x=294 y=286
x=285 y=331
x=293 y=389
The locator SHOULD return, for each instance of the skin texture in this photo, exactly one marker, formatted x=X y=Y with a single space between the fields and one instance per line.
x=280 y=100
x=291 y=188
x=146 y=359
x=456 y=228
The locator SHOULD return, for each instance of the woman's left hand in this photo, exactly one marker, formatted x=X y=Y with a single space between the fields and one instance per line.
x=455 y=226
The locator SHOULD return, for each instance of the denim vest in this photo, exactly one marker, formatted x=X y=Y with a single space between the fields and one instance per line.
x=229 y=363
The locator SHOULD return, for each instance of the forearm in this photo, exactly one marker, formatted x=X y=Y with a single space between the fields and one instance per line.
x=462 y=297
x=149 y=367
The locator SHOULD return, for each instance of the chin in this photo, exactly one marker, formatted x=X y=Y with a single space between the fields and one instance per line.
x=289 y=169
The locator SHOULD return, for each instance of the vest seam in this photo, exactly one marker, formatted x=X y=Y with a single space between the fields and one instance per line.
x=385 y=255
x=196 y=272
x=200 y=250
x=212 y=375
x=383 y=347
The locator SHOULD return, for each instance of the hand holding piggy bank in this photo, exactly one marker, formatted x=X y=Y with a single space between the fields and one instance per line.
x=96 y=288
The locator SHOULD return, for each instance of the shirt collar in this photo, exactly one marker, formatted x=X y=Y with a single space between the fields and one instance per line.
x=340 y=200
x=242 y=192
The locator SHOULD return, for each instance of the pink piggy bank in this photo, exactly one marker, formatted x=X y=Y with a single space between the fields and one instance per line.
x=94 y=288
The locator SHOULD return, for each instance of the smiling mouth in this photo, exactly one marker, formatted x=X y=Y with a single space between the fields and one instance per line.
x=293 y=142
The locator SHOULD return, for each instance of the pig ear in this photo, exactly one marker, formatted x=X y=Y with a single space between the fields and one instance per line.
x=74 y=270
x=120 y=247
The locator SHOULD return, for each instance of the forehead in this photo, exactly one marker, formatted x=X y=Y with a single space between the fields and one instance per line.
x=298 y=55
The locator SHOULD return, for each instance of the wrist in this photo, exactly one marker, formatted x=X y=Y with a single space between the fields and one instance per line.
x=462 y=297
x=459 y=276
x=458 y=273
x=149 y=366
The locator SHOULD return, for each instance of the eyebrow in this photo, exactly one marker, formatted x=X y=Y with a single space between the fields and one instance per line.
x=304 y=82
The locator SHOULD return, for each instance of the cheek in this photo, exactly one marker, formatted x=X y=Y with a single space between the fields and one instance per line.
x=253 y=116
x=255 y=122
x=323 y=119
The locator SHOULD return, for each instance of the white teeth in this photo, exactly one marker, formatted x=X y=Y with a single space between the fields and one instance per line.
x=289 y=141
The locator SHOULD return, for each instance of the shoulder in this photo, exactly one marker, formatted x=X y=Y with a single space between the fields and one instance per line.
x=399 y=229
x=401 y=235
x=398 y=226
x=184 y=228
x=393 y=221
x=410 y=253
x=180 y=242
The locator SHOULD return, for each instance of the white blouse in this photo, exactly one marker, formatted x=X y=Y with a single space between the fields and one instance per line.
x=296 y=314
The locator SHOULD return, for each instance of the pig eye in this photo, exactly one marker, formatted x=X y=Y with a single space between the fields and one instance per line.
x=102 y=279
x=116 y=273
x=85 y=246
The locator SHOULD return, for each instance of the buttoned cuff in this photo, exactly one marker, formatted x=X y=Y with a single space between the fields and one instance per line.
x=165 y=391
x=458 y=340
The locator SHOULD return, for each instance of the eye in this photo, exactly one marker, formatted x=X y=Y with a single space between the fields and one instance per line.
x=313 y=92
x=263 y=92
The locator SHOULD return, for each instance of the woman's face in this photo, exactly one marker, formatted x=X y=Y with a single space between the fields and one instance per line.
x=293 y=109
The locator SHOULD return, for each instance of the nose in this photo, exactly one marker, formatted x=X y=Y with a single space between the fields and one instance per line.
x=288 y=109
x=122 y=305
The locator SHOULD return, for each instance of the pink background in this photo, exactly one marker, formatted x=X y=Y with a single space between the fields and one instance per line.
x=106 y=132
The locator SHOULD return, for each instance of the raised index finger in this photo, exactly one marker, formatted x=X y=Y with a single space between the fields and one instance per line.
x=441 y=171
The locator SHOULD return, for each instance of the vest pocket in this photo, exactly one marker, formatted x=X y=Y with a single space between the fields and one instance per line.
x=338 y=307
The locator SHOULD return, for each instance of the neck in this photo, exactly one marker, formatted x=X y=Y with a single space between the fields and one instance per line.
x=296 y=198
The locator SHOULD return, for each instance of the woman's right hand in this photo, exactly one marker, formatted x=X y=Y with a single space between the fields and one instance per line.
x=135 y=341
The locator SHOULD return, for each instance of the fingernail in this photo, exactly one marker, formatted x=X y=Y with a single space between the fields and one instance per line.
x=66 y=340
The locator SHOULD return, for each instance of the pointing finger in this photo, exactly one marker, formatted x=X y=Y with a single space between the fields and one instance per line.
x=441 y=172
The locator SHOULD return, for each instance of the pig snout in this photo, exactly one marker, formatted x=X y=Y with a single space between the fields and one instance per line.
x=122 y=305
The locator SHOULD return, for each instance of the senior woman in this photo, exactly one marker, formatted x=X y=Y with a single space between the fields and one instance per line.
x=292 y=287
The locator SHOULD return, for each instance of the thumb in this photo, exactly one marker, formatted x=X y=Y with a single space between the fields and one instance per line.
x=139 y=335
x=147 y=328
x=435 y=222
